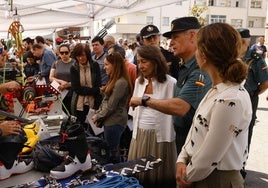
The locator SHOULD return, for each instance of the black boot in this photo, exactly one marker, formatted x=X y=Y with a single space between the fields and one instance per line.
x=78 y=159
x=10 y=147
x=115 y=155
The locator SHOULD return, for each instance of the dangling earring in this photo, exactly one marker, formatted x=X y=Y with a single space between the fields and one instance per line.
x=200 y=82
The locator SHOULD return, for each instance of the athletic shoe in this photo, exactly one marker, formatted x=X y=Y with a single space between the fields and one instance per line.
x=20 y=166
x=70 y=166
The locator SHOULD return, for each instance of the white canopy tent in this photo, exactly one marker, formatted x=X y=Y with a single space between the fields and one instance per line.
x=44 y=17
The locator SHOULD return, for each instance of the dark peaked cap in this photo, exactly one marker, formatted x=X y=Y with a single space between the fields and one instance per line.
x=182 y=24
x=148 y=31
x=244 y=32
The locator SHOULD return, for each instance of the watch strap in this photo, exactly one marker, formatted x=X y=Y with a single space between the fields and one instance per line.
x=144 y=100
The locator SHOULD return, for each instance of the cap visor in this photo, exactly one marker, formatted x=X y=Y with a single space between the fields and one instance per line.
x=150 y=35
x=168 y=34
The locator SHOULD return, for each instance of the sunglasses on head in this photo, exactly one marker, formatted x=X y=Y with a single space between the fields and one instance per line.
x=64 y=52
x=110 y=54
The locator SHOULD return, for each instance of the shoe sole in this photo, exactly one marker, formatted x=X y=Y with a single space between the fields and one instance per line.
x=56 y=175
x=62 y=175
x=10 y=173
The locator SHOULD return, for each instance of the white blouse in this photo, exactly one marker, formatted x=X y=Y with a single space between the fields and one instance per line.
x=163 y=123
x=219 y=133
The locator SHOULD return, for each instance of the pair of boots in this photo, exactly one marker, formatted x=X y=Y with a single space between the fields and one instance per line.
x=10 y=161
x=78 y=158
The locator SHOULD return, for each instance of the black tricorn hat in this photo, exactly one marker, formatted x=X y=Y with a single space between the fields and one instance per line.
x=244 y=32
x=182 y=24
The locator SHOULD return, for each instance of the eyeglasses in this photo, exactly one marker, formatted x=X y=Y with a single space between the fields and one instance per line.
x=64 y=52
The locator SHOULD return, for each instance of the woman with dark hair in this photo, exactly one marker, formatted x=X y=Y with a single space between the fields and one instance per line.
x=112 y=113
x=60 y=72
x=216 y=146
x=153 y=132
x=85 y=82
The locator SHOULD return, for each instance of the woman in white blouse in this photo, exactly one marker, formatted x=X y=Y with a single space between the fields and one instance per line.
x=153 y=132
x=216 y=146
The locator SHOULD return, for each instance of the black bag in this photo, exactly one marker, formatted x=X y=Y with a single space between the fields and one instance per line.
x=45 y=158
x=99 y=149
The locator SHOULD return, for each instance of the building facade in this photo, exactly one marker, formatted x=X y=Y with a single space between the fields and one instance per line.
x=249 y=14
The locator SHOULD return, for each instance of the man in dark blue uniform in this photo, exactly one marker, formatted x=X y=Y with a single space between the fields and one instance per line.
x=257 y=79
x=150 y=35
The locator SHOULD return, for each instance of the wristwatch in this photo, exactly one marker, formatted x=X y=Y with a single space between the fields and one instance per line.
x=1 y=132
x=144 y=99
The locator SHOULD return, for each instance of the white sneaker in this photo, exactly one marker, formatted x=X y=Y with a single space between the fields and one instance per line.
x=70 y=166
x=19 y=167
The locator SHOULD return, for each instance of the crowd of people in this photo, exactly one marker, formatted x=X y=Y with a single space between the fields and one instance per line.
x=193 y=104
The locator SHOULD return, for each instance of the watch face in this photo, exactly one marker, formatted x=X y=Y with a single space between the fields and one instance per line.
x=145 y=97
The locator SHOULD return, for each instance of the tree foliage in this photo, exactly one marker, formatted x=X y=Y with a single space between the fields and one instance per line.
x=200 y=13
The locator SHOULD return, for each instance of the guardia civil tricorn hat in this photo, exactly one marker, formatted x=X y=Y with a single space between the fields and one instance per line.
x=182 y=24
x=244 y=32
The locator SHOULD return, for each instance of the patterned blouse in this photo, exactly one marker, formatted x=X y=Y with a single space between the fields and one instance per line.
x=219 y=133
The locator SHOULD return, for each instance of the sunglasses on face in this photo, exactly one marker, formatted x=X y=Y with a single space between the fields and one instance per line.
x=64 y=52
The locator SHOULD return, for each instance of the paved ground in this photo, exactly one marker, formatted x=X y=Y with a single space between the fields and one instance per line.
x=257 y=167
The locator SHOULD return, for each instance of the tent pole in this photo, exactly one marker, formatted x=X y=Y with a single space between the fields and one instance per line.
x=91 y=24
